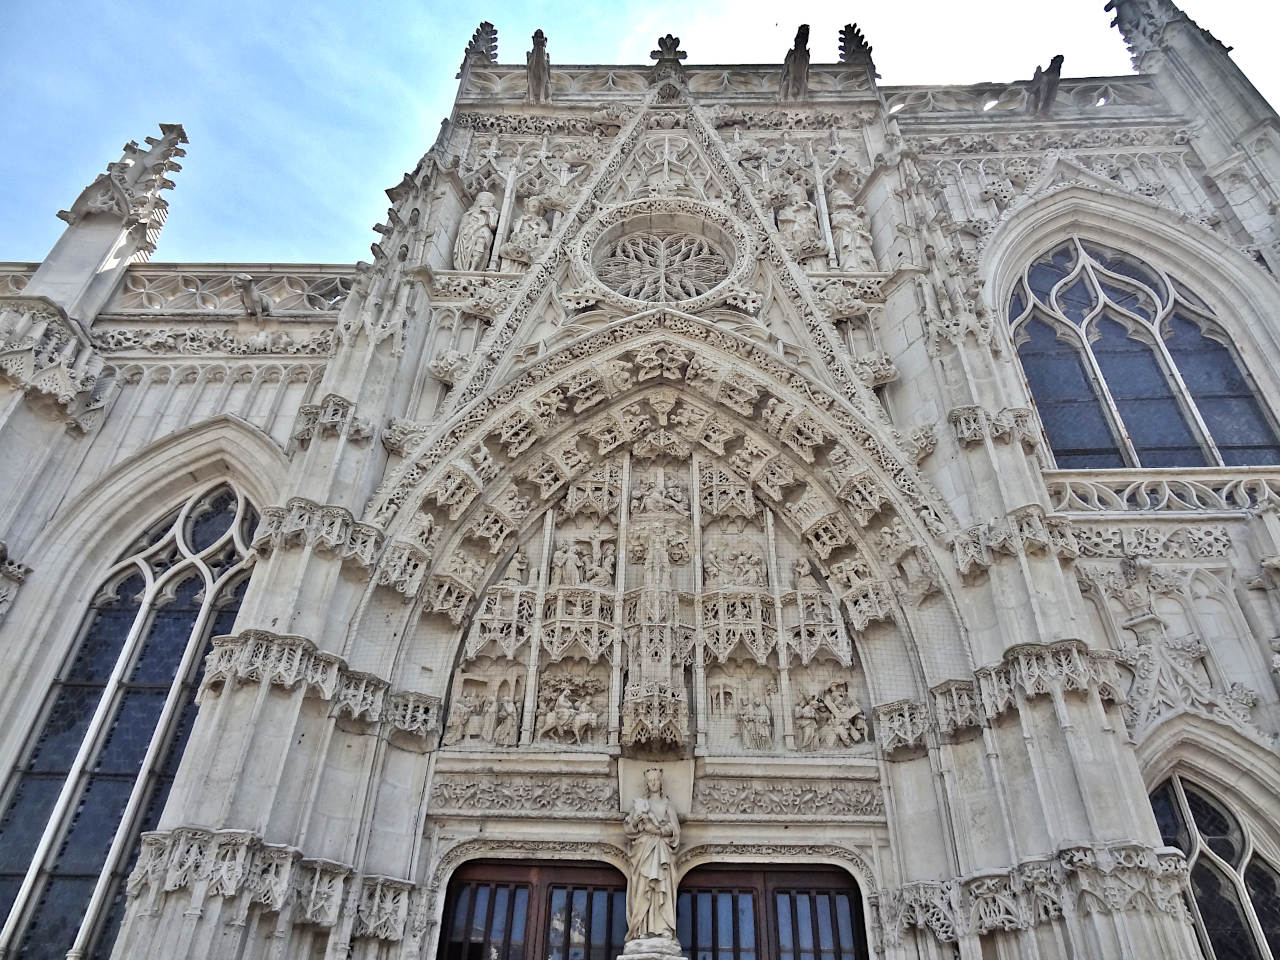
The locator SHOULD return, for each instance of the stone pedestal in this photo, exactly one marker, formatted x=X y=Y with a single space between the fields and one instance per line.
x=651 y=948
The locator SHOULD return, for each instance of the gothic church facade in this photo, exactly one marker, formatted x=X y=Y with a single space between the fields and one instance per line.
x=738 y=512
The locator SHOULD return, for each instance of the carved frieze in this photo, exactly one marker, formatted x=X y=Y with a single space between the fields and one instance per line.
x=803 y=799
x=525 y=795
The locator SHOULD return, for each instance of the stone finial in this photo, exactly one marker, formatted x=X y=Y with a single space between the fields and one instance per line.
x=538 y=70
x=795 y=68
x=130 y=189
x=483 y=47
x=668 y=73
x=852 y=43
x=1043 y=89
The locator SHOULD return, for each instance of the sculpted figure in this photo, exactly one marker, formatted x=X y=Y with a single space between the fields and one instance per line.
x=755 y=725
x=475 y=234
x=802 y=570
x=601 y=574
x=806 y=723
x=489 y=720
x=1043 y=89
x=538 y=70
x=566 y=566
x=507 y=729
x=798 y=224
x=528 y=236
x=795 y=68
x=850 y=233
x=653 y=833
x=516 y=569
x=459 y=714
x=256 y=303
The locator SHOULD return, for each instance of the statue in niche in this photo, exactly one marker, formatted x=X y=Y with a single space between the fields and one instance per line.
x=1043 y=89
x=600 y=570
x=516 y=569
x=805 y=717
x=507 y=728
x=802 y=572
x=653 y=834
x=475 y=234
x=850 y=233
x=844 y=725
x=566 y=709
x=742 y=568
x=528 y=235
x=538 y=70
x=663 y=495
x=489 y=719
x=460 y=712
x=566 y=566
x=755 y=724
x=798 y=223
x=795 y=68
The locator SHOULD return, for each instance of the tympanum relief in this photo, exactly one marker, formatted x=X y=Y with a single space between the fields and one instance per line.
x=660 y=605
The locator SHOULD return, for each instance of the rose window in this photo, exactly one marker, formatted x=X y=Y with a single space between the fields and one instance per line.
x=662 y=268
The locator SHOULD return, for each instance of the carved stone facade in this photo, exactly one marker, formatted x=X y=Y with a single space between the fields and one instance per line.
x=665 y=491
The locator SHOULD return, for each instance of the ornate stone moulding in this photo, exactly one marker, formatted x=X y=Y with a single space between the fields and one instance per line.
x=662 y=251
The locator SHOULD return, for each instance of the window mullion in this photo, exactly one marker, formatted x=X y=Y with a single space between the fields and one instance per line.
x=1184 y=395
x=1119 y=431
x=122 y=840
x=72 y=784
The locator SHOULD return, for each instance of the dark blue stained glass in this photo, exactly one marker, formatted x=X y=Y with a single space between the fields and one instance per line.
x=25 y=818
x=105 y=938
x=1077 y=299
x=1263 y=884
x=93 y=825
x=106 y=634
x=168 y=635
x=1223 y=917
x=9 y=886
x=1045 y=273
x=1226 y=402
x=1154 y=420
x=1016 y=304
x=1130 y=299
x=1067 y=401
x=64 y=728
x=1173 y=831
x=1218 y=829
x=1127 y=266
x=210 y=519
x=131 y=731
x=59 y=912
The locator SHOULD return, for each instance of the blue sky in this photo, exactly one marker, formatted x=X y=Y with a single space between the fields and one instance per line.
x=300 y=114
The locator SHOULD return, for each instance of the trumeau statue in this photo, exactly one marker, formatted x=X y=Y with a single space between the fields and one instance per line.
x=795 y=68
x=538 y=70
x=653 y=834
x=475 y=234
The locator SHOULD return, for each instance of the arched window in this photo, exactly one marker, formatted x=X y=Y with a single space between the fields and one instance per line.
x=1236 y=890
x=102 y=757
x=1128 y=368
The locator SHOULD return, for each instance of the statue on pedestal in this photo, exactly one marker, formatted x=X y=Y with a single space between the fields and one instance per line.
x=653 y=832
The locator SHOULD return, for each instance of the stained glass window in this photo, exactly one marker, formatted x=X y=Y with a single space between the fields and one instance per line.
x=116 y=719
x=1127 y=367
x=1236 y=892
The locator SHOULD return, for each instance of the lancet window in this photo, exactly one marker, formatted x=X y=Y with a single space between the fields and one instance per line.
x=1129 y=368
x=1236 y=889
x=102 y=757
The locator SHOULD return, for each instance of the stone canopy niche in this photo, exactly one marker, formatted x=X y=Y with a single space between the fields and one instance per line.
x=661 y=606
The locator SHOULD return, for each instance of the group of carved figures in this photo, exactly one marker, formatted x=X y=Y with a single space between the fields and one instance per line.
x=571 y=566
x=733 y=568
x=829 y=720
x=566 y=718
x=499 y=720
x=797 y=220
x=476 y=232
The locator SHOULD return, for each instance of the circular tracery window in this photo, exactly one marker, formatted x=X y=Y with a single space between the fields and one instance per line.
x=662 y=268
